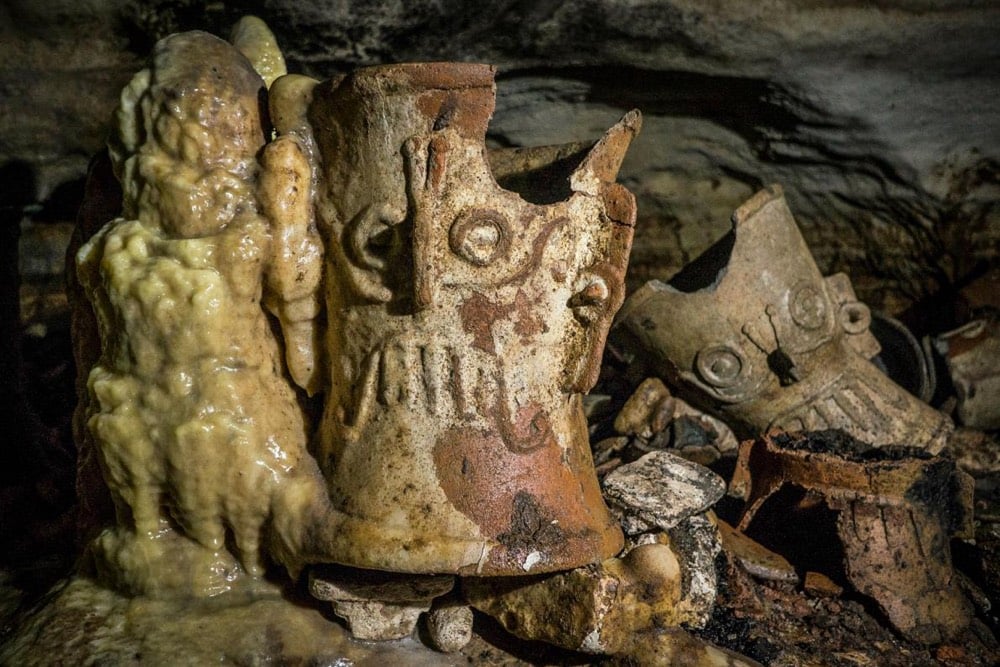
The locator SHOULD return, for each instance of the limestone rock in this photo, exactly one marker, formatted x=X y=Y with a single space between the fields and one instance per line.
x=379 y=606
x=647 y=411
x=665 y=580
x=661 y=489
x=370 y=620
x=595 y=609
x=450 y=627
x=697 y=543
x=342 y=583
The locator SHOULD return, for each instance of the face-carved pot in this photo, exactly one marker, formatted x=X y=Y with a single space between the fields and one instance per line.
x=753 y=330
x=464 y=322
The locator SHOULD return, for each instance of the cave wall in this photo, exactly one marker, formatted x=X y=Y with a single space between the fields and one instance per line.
x=878 y=118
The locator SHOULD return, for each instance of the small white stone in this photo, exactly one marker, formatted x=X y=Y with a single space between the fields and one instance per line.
x=450 y=628
x=662 y=489
x=592 y=642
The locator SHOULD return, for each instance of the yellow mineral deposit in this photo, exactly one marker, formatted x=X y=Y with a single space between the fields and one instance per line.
x=199 y=434
x=256 y=41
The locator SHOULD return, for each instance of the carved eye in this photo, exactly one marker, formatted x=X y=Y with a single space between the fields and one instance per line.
x=720 y=365
x=590 y=300
x=480 y=236
x=807 y=306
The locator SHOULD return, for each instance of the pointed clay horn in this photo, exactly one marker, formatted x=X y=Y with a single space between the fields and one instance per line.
x=605 y=159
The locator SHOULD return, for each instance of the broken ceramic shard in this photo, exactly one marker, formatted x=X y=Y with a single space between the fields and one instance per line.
x=199 y=433
x=902 y=357
x=464 y=323
x=754 y=557
x=972 y=357
x=753 y=331
x=897 y=509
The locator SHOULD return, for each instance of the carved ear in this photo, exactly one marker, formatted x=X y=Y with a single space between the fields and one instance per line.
x=605 y=159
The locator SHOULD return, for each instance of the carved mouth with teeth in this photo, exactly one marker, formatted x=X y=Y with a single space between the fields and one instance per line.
x=451 y=383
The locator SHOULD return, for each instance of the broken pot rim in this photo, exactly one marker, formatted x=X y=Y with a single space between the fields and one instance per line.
x=600 y=160
x=423 y=75
x=772 y=194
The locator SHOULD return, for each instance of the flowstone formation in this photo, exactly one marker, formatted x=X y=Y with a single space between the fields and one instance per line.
x=199 y=434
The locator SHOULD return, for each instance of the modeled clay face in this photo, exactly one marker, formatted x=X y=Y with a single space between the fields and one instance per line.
x=467 y=321
x=756 y=332
x=530 y=287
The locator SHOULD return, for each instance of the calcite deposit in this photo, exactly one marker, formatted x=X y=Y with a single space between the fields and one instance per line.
x=199 y=433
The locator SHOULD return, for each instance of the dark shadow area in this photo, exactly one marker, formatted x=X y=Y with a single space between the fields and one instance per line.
x=737 y=633
x=757 y=109
x=540 y=175
x=902 y=358
x=707 y=269
x=63 y=203
x=37 y=458
x=144 y=23
x=17 y=195
x=798 y=525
